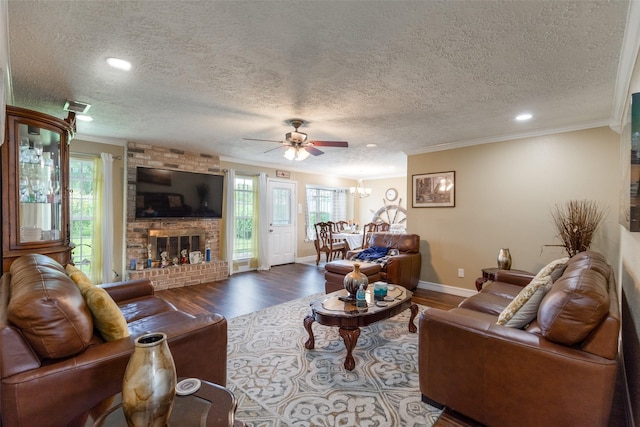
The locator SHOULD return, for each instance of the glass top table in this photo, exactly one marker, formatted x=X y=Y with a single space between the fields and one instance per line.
x=335 y=309
x=210 y=406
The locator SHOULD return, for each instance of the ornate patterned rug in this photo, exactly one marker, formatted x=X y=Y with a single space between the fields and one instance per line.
x=278 y=382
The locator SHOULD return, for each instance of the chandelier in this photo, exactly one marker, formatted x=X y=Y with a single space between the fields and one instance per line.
x=360 y=190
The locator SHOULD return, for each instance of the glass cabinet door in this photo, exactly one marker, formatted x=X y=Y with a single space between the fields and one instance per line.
x=40 y=201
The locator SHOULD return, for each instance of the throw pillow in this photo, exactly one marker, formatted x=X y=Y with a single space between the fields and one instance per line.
x=107 y=317
x=524 y=307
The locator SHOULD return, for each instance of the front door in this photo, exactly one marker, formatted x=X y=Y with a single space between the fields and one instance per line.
x=282 y=224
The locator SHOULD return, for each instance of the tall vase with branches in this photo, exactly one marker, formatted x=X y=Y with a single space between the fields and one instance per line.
x=576 y=222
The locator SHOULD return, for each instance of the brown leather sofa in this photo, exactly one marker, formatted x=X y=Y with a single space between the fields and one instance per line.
x=57 y=369
x=402 y=269
x=559 y=370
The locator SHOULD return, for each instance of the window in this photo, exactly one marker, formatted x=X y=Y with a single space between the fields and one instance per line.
x=82 y=175
x=324 y=204
x=281 y=214
x=245 y=198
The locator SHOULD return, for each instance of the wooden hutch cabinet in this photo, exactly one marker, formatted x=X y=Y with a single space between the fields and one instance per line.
x=35 y=186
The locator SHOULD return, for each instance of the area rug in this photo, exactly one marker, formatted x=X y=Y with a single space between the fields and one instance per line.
x=278 y=382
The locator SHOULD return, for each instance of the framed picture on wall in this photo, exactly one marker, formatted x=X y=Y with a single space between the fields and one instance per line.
x=434 y=190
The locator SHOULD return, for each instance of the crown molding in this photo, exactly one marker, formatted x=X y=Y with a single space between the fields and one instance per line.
x=101 y=140
x=522 y=135
x=626 y=64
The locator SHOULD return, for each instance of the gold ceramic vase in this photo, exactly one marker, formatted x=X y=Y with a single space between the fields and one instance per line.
x=149 y=382
x=504 y=259
x=353 y=280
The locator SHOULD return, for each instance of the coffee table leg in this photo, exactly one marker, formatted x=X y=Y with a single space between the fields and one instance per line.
x=414 y=313
x=350 y=337
x=311 y=342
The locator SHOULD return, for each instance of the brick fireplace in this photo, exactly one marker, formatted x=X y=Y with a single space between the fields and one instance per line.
x=174 y=241
x=172 y=234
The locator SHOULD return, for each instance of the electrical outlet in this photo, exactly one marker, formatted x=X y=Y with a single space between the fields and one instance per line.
x=461 y=272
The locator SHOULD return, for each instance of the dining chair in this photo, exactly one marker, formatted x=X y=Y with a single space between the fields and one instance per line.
x=383 y=226
x=326 y=243
x=340 y=226
x=367 y=230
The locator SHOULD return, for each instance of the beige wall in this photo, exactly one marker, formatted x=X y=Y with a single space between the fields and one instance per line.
x=304 y=248
x=504 y=193
x=370 y=205
x=92 y=148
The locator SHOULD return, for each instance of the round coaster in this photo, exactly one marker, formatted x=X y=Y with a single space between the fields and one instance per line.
x=388 y=298
x=382 y=303
x=188 y=386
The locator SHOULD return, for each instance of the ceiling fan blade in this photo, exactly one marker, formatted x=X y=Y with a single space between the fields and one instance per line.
x=330 y=143
x=272 y=149
x=313 y=150
x=266 y=140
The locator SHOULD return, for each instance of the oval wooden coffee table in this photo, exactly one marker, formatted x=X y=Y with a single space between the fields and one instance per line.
x=333 y=310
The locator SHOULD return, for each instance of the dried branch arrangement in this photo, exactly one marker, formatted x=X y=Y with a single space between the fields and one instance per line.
x=576 y=222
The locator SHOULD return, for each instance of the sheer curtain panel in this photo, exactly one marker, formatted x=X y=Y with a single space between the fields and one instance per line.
x=106 y=217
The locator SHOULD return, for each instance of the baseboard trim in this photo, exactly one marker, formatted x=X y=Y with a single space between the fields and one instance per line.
x=446 y=289
x=628 y=407
x=431 y=286
x=306 y=260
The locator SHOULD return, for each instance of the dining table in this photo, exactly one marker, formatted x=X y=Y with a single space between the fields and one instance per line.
x=354 y=240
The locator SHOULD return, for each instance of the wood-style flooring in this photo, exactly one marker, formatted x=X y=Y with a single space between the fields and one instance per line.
x=251 y=291
x=247 y=292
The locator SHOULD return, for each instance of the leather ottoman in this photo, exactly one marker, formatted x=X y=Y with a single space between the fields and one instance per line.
x=336 y=270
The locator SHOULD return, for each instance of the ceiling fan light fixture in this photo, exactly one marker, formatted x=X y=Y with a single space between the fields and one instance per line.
x=295 y=136
x=296 y=153
x=301 y=154
x=290 y=154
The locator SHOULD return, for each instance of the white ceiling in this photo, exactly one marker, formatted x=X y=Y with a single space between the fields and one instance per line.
x=405 y=75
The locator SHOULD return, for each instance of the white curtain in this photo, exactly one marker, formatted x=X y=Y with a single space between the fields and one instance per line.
x=339 y=205
x=95 y=268
x=263 y=223
x=229 y=221
x=107 y=217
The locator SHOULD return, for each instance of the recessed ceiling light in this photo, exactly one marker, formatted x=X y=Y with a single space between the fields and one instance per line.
x=84 y=118
x=524 y=117
x=120 y=64
x=371 y=145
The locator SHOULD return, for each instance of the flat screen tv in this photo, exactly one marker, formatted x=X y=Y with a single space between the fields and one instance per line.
x=164 y=193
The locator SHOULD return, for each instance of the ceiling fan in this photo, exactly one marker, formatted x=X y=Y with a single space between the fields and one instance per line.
x=296 y=143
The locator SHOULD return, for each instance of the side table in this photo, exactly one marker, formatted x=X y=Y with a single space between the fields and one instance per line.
x=489 y=273
x=211 y=406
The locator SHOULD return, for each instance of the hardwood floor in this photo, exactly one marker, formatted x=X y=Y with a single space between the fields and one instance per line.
x=244 y=293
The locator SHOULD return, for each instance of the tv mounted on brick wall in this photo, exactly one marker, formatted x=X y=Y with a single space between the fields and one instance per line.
x=164 y=193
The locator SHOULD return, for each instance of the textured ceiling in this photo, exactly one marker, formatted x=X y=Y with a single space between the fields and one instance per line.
x=405 y=75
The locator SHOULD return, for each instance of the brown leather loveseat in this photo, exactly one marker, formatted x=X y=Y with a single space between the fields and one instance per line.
x=55 y=368
x=557 y=370
x=401 y=269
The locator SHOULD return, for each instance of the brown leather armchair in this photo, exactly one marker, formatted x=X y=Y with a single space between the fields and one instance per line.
x=559 y=370
x=56 y=369
x=401 y=269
